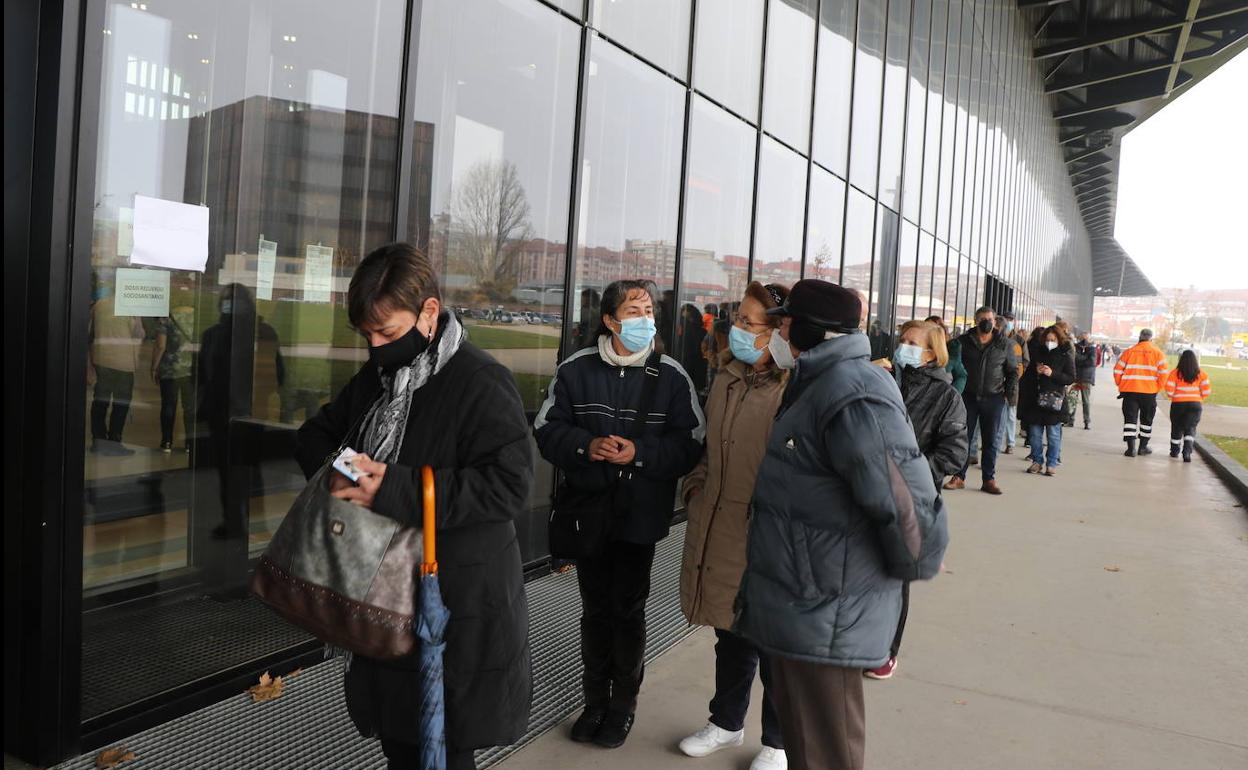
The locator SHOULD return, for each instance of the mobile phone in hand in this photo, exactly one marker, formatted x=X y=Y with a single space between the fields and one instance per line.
x=344 y=463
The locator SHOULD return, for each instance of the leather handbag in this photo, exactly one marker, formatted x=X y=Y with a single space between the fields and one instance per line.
x=343 y=573
x=1051 y=401
x=581 y=520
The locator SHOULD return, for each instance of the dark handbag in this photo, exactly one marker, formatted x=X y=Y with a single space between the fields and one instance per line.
x=1051 y=401
x=581 y=520
x=343 y=573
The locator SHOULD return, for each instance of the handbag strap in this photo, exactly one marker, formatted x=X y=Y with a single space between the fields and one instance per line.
x=649 y=387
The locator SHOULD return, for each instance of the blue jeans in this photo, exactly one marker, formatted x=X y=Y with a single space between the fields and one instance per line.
x=985 y=414
x=1036 y=434
x=1005 y=434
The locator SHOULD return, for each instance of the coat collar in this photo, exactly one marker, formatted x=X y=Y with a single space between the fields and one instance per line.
x=829 y=353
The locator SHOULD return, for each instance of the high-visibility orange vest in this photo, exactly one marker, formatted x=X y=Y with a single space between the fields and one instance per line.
x=1141 y=369
x=1181 y=391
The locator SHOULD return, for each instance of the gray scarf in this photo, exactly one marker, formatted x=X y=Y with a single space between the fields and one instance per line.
x=386 y=422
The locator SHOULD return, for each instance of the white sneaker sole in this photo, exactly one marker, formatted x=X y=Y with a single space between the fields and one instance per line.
x=701 y=751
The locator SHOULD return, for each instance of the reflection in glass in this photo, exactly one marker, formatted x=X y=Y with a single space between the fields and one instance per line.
x=825 y=226
x=718 y=204
x=949 y=137
x=630 y=176
x=789 y=72
x=492 y=149
x=778 y=228
x=925 y=286
x=280 y=118
x=728 y=54
x=908 y=274
x=944 y=281
x=968 y=60
x=935 y=112
x=833 y=86
x=884 y=282
x=893 y=132
x=658 y=30
x=916 y=105
x=859 y=238
x=868 y=85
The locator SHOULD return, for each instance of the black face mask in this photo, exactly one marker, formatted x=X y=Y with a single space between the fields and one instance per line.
x=984 y=326
x=393 y=355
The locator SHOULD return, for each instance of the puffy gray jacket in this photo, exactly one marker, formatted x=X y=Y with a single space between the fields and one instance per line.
x=843 y=511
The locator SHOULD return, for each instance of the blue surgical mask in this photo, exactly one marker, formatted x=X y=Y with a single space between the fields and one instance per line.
x=1009 y=326
x=908 y=355
x=636 y=333
x=741 y=343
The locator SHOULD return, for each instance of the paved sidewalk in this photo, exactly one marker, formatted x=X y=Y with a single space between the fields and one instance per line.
x=1029 y=653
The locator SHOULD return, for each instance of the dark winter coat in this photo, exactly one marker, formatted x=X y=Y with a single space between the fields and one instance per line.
x=1085 y=362
x=1033 y=383
x=468 y=423
x=844 y=510
x=590 y=398
x=938 y=414
x=994 y=370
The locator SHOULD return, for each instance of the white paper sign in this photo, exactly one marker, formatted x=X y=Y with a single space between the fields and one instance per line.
x=169 y=234
x=125 y=231
x=318 y=273
x=141 y=292
x=266 y=264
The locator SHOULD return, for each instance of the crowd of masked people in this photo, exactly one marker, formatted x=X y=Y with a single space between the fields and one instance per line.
x=811 y=475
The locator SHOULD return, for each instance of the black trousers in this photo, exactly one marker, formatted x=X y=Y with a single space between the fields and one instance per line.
x=112 y=387
x=736 y=659
x=901 y=622
x=1138 y=411
x=614 y=588
x=406 y=756
x=171 y=388
x=1184 y=417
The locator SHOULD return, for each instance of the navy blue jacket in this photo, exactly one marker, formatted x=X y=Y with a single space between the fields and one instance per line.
x=590 y=398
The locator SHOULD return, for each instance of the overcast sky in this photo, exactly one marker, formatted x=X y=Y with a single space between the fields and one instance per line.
x=1183 y=186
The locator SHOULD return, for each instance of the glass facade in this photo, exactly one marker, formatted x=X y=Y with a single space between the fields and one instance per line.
x=536 y=151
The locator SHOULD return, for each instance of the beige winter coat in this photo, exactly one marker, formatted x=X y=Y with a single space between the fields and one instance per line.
x=739 y=413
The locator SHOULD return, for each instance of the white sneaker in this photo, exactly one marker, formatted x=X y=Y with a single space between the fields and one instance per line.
x=711 y=739
x=770 y=759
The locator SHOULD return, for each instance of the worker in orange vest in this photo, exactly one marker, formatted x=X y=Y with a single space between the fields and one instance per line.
x=1140 y=374
x=1188 y=387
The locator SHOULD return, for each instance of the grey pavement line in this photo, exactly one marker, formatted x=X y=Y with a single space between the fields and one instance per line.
x=1071 y=711
x=1225 y=467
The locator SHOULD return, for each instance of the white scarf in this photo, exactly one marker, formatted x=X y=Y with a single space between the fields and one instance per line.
x=607 y=352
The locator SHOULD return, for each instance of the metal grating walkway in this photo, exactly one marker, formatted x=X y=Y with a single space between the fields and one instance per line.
x=308 y=727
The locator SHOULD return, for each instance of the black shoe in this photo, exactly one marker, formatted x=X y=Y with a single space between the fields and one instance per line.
x=1187 y=457
x=1130 y=448
x=587 y=724
x=614 y=730
x=1086 y=426
x=1174 y=453
x=1144 y=450
x=222 y=532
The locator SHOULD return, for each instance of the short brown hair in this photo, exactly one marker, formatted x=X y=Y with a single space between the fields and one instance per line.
x=769 y=296
x=1059 y=331
x=397 y=276
x=934 y=336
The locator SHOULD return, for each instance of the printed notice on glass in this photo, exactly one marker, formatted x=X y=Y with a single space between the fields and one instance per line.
x=169 y=234
x=142 y=293
x=266 y=264
x=318 y=273
x=125 y=231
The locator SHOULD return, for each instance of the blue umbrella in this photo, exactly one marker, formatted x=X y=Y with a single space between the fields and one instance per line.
x=430 y=628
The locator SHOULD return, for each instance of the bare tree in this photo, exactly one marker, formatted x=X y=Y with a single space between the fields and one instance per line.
x=491 y=220
x=824 y=268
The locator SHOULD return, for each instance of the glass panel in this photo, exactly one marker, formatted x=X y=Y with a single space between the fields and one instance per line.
x=718 y=209
x=778 y=229
x=630 y=182
x=968 y=58
x=825 y=226
x=893 y=133
x=859 y=231
x=868 y=85
x=949 y=137
x=495 y=99
x=657 y=30
x=728 y=55
x=884 y=282
x=908 y=275
x=574 y=7
x=935 y=104
x=834 y=85
x=916 y=104
x=280 y=119
x=925 y=277
x=790 y=71
x=944 y=282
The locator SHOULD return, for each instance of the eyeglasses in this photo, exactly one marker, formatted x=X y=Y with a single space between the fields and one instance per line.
x=744 y=321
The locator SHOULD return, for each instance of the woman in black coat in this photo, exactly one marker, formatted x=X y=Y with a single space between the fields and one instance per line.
x=1042 y=397
x=588 y=428
x=427 y=396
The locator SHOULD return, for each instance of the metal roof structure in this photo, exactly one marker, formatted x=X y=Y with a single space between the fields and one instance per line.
x=1108 y=65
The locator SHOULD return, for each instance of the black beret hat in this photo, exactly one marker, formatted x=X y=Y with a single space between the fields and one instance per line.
x=824 y=304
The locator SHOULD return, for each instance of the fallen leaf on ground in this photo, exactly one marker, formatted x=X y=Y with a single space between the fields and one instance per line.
x=270 y=687
x=114 y=756
x=1113 y=568
x=959 y=703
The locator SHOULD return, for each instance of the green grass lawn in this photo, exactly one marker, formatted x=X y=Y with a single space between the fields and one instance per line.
x=1230 y=386
x=1237 y=448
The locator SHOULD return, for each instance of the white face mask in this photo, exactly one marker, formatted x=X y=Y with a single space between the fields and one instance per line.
x=780 y=351
x=1051 y=345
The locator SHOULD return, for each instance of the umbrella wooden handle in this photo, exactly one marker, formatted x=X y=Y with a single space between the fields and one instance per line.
x=430 y=564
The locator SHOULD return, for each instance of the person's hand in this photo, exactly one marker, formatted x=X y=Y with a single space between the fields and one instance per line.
x=365 y=489
x=625 y=451
x=155 y=375
x=339 y=482
x=883 y=363
x=601 y=449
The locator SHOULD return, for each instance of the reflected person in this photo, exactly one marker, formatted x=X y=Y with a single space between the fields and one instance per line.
x=113 y=357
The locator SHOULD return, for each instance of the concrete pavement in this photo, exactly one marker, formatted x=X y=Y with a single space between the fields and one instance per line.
x=1097 y=619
